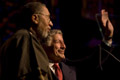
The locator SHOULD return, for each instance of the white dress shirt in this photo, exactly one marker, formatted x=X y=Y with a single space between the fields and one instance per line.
x=51 y=67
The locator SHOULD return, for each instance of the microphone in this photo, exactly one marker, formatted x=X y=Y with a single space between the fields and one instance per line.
x=100 y=29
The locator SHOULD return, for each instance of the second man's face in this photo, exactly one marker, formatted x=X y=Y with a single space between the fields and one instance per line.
x=57 y=48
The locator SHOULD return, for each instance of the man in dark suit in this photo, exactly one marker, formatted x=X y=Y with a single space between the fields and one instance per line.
x=55 y=48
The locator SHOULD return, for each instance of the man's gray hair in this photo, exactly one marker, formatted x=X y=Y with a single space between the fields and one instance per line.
x=50 y=36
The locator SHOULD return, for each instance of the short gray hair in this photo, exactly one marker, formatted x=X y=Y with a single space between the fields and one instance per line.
x=50 y=36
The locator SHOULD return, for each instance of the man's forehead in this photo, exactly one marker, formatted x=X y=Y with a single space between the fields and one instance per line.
x=45 y=10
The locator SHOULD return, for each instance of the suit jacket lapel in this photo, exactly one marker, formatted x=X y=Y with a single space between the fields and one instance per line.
x=54 y=76
x=68 y=72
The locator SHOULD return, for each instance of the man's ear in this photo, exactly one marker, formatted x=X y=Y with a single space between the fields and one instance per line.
x=35 y=18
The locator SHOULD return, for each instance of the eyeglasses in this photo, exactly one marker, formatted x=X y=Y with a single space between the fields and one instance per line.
x=48 y=16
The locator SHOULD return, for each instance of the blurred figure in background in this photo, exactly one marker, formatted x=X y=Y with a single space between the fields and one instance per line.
x=103 y=61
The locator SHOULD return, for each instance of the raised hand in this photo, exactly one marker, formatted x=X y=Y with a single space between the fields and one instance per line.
x=107 y=25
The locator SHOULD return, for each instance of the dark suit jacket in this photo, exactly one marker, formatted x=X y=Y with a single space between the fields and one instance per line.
x=22 y=56
x=69 y=72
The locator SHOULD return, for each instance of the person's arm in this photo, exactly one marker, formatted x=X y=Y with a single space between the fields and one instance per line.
x=108 y=28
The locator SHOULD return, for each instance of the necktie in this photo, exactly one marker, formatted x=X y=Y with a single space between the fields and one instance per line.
x=58 y=71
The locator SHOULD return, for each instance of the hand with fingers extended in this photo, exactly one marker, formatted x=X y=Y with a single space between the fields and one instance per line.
x=107 y=26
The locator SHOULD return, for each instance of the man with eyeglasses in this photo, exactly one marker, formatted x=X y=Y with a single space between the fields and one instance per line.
x=22 y=56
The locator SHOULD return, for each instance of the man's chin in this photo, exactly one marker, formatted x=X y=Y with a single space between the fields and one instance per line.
x=63 y=57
